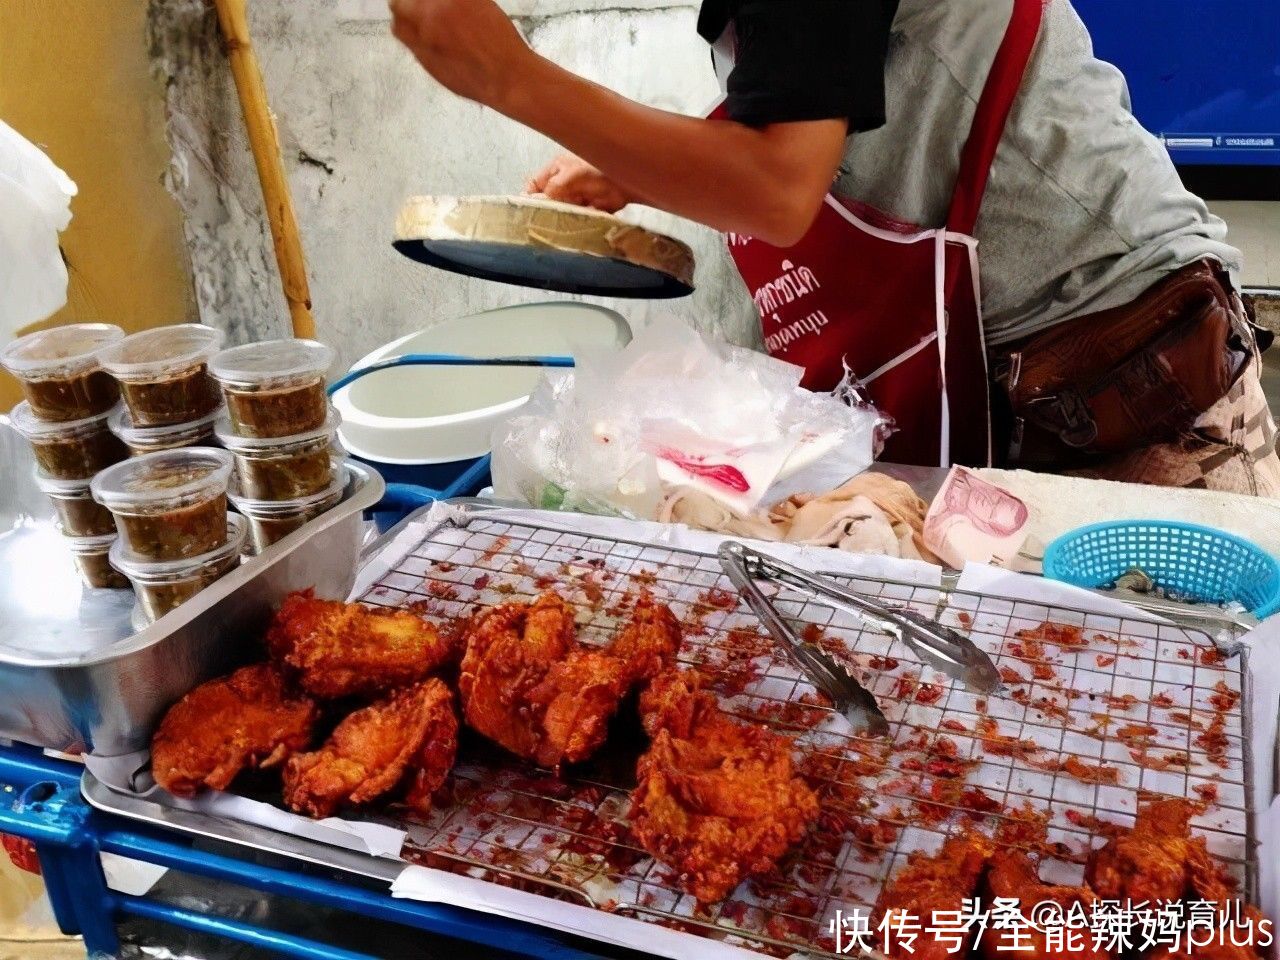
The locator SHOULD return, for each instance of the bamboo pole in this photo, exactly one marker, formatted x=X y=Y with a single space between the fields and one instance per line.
x=264 y=140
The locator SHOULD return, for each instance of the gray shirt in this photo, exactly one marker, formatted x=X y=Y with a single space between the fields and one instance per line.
x=1084 y=210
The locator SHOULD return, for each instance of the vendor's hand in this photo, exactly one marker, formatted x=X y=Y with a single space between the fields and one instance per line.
x=571 y=179
x=469 y=46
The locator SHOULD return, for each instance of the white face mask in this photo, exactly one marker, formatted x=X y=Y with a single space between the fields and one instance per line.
x=35 y=206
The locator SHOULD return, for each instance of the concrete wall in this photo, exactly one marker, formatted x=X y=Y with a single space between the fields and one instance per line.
x=363 y=127
x=75 y=78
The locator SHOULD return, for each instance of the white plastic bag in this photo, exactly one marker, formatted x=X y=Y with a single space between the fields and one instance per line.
x=674 y=409
x=35 y=206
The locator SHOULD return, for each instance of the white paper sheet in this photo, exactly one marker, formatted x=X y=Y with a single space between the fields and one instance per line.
x=436 y=886
x=133 y=878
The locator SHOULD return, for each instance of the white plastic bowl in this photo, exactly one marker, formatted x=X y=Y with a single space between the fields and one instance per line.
x=435 y=415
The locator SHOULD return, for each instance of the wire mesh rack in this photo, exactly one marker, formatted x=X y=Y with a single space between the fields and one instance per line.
x=1102 y=714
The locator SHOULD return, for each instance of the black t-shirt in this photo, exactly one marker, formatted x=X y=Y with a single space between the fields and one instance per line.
x=804 y=59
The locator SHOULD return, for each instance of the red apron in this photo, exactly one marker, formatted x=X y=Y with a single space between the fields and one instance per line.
x=897 y=303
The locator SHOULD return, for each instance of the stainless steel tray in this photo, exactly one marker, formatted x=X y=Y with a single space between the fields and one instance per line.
x=75 y=677
x=568 y=838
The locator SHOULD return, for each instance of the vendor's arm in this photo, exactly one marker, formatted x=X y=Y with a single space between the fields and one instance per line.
x=766 y=182
x=765 y=176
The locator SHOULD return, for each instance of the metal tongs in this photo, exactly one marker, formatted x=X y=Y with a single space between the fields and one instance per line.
x=940 y=646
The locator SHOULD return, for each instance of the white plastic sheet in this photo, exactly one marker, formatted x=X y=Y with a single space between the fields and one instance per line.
x=674 y=409
x=35 y=206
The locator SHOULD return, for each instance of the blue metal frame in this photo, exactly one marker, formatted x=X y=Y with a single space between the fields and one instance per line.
x=401 y=499
x=69 y=835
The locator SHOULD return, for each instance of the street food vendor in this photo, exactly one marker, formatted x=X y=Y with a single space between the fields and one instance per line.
x=868 y=157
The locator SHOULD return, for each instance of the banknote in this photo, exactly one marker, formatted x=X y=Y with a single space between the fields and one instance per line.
x=974 y=520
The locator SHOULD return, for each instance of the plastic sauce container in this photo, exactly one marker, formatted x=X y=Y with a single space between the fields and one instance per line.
x=72 y=449
x=170 y=505
x=270 y=521
x=79 y=515
x=162 y=586
x=60 y=373
x=283 y=468
x=144 y=440
x=164 y=373
x=275 y=389
x=92 y=557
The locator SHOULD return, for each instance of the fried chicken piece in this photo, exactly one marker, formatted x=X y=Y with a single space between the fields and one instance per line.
x=941 y=882
x=649 y=643
x=1151 y=862
x=717 y=799
x=510 y=651
x=1012 y=874
x=528 y=685
x=406 y=741
x=243 y=721
x=577 y=698
x=675 y=701
x=348 y=649
x=1159 y=860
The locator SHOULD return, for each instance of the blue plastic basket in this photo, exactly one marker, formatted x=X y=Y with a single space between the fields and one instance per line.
x=1197 y=562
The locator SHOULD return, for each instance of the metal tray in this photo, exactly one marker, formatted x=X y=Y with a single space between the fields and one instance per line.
x=568 y=838
x=75 y=677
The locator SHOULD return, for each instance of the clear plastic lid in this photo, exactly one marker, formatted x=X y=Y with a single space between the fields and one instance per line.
x=278 y=509
x=121 y=425
x=274 y=363
x=155 y=481
x=36 y=430
x=151 y=354
x=87 y=546
x=144 y=571
x=52 y=487
x=61 y=351
x=227 y=436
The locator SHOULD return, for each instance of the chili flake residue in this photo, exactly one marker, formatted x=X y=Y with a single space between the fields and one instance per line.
x=1212 y=657
x=1091 y=772
x=1207 y=792
x=1059 y=634
x=719 y=599
x=1010 y=675
x=1136 y=734
x=1095 y=824
x=1174 y=760
x=1223 y=699
x=1000 y=744
x=498 y=546
x=442 y=590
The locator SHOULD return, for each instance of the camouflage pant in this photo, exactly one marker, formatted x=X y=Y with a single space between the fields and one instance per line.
x=1232 y=448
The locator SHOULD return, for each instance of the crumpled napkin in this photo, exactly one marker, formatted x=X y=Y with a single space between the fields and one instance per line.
x=872 y=514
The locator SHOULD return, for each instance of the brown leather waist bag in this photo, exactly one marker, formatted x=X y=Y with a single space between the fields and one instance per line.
x=1131 y=376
